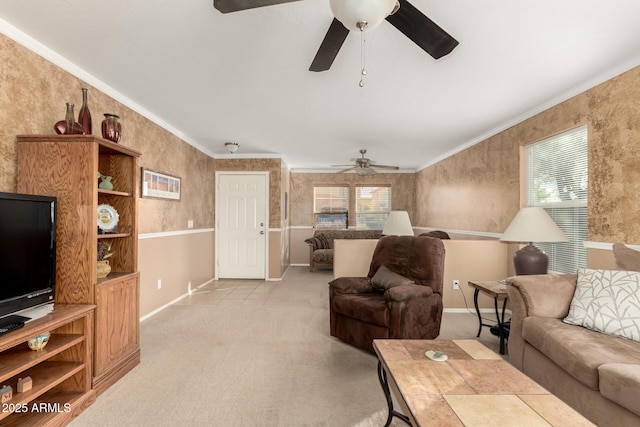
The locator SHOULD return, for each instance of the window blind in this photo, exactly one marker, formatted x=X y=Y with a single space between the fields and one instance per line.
x=557 y=180
x=372 y=207
x=330 y=199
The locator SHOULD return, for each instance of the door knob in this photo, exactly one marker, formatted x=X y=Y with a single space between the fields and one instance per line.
x=261 y=231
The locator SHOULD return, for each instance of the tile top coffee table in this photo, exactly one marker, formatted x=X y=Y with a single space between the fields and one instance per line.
x=474 y=387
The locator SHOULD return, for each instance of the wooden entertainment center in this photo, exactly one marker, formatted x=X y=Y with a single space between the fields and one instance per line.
x=60 y=373
x=67 y=166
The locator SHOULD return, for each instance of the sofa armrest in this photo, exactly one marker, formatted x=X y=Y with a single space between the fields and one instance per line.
x=351 y=285
x=314 y=243
x=407 y=292
x=536 y=295
x=544 y=295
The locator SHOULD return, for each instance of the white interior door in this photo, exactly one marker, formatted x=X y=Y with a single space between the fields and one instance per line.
x=241 y=226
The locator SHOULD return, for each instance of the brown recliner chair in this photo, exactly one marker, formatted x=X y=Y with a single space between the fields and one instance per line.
x=383 y=305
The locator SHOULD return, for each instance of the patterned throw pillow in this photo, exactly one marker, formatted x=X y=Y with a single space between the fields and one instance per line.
x=318 y=242
x=607 y=301
x=326 y=243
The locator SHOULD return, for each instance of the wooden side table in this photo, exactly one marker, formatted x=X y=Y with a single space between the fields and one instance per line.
x=498 y=291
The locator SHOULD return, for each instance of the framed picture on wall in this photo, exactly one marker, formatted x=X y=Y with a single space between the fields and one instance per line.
x=159 y=185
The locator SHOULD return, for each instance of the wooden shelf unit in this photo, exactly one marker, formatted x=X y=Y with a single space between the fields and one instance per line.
x=61 y=372
x=67 y=166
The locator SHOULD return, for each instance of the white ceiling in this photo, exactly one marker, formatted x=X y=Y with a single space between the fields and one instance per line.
x=243 y=77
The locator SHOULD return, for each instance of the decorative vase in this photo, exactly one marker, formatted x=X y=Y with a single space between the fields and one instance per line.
x=111 y=127
x=84 y=116
x=68 y=126
x=103 y=269
x=39 y=342
x=105 y=183
x=69 y=118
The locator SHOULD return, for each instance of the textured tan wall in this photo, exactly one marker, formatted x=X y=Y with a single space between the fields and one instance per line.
x=478 y=189
x=403 y=192
x=474 y=190
x=614 y=159
x=169 y=154
x=33 y=93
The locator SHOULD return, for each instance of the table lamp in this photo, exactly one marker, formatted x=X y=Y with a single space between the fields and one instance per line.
x=398 y=224
x=532 y=224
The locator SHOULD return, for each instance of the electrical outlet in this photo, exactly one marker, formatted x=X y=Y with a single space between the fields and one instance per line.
x=456 y=284
x=159 y=283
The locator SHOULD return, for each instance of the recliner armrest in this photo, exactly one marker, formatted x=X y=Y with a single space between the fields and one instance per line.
x=544 y=295
x=351 y=285
x=407 y=292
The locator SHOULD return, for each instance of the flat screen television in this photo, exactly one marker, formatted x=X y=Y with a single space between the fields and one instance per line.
x=27 y=252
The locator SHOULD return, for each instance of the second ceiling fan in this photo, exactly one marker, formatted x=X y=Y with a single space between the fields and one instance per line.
x=364 y=166
x=404 y=16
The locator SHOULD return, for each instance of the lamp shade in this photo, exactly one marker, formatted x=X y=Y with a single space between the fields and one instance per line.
x=533 y=224
x=351 y=12
x=398 y=224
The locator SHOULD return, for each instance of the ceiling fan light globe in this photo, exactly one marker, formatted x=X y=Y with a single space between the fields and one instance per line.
x=352 y=12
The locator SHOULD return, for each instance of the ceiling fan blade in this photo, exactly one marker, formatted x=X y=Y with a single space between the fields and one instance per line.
x=227 y=6
x=330 y=46
x=346 y=170
x=385 y=167
x=422 y=30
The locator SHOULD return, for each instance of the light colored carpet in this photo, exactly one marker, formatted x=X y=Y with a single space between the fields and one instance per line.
x=253 y=353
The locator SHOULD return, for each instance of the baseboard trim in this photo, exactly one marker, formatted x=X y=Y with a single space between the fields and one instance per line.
x=105 y=380
x=175 y=300
x=174 y=233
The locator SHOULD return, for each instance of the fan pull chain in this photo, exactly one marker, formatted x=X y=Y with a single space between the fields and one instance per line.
x=363 y=60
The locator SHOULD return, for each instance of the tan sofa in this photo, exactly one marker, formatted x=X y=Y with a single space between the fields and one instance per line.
x=596 y=374
x=322 y=243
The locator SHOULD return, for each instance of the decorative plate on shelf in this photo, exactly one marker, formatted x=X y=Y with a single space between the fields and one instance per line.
x=107 y=218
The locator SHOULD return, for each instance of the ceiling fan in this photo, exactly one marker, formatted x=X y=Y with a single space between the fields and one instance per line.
x=404 y=16
x=364 y=166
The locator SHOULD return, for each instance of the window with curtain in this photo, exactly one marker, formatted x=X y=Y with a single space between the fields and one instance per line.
x=330 y=207
x=372 y=207
x=557 y=181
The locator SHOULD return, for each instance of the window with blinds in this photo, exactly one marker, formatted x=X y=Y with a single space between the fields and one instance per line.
x=330 y=199
x=372 y=207
x=330 y=208
x=557 y=181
